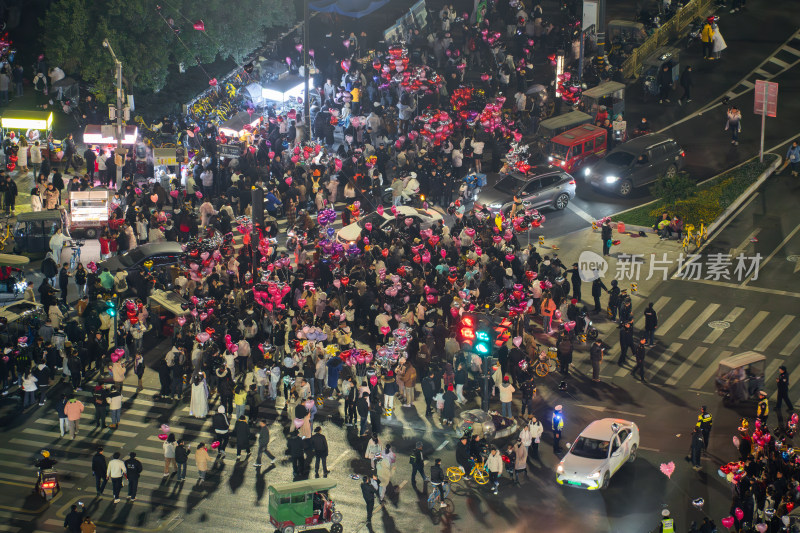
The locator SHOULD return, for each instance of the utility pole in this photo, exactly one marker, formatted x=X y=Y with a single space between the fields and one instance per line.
x=121 y=112
x=601 y=31
x=306 y=70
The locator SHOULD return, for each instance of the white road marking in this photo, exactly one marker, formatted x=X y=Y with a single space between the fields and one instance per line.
x=730 y=318
x=745 y=243
x=791 y=50
x=748 y=329
x=782 y=64
x=658 y=306
x=581 y=213
x=686 y=365
x=674 y=317
x=403 y=484
x=792 y=346
x=709 y=371
x=665 y=356
x=775 y=251
x=339 y=458
x=698 y=322
x=773 y=334
x=745 y=288
x=442 y=445
x=602 y=409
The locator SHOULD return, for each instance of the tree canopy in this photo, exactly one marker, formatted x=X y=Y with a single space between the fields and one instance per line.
x=146 y=35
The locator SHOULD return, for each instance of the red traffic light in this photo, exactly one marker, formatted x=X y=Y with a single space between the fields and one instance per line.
x=467 y=321
x=468 y=334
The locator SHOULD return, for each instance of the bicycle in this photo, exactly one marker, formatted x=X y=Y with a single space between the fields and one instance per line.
x=547 y=362
x=5 y=232
x=434 y=503
x=689 y=237
x=76 y=254
x=479 y=473
x=701 y=235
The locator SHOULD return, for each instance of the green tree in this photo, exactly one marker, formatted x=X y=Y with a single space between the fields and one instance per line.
x=73 y=32
x=671 y=190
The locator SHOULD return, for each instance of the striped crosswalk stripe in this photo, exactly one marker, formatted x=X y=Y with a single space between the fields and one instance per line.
x=699 y=321
x=749 y=328
x=770 y=337
x=687 y=364
x=666 y=355
x=674 y=317
x=710 y=370
x=729 y=318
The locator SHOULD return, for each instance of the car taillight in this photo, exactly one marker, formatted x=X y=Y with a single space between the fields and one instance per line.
x=683 y=154
x=572 y=182
x=48 y=484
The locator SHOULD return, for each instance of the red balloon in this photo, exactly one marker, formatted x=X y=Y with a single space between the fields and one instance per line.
x=199 y=25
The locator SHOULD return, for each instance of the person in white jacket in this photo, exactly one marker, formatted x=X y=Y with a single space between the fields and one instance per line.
x=531 y=435
x=411 y=188
x=494 y=464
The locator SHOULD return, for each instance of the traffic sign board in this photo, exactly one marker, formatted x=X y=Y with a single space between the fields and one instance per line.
x=766 y=90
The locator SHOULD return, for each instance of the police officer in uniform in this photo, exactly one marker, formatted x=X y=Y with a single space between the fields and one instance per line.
x=704 y=422
x=762 y=412
x=667 y=524
x=557 y=425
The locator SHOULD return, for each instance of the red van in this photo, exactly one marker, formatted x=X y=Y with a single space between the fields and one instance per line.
x=570 y=149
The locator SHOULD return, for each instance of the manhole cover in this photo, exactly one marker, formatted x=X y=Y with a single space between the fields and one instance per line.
x=793 y=258
x=719 y=324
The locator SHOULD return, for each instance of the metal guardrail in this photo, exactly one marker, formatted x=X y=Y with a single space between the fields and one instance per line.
x=671 y=29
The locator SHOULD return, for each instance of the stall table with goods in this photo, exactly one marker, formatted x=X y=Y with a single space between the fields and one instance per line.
x=35 y=125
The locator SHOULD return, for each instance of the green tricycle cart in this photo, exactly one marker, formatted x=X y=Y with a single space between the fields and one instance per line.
x=303 y=504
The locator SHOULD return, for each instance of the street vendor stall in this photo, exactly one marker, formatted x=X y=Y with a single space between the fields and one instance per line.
x=240 y=124
x=285 y=89
x=88 y=210
x=167 y=310
x=610 y=94
x=35 y=125
x=104 y=135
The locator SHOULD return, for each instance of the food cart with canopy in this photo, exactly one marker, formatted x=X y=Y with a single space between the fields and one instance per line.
x=303 y=504
x=36 y=125
x=240 y=124
x=32 y=231
x=286 y=90
x=610 y=94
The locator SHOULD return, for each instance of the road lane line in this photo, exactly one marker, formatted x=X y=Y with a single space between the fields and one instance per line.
x=686 y=365
x=792 y=346
x=699 y=321
x=339 y=458
x=442 y=445
x=674 y=317
x=775 y=251
x=736 y=251
x=709 y=371
x=791 y=50
x=747 y=288
x=730 y=318
x=662 y=360
x=581 y=213
x=773 y=334
x=748 y=329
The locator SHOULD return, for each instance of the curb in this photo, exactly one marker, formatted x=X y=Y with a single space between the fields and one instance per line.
x=744 y=196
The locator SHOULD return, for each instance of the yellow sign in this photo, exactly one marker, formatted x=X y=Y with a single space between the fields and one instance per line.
x=36 y=121
x=164 y=156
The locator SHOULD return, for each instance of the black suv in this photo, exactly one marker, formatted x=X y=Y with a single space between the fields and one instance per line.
x=635 y=163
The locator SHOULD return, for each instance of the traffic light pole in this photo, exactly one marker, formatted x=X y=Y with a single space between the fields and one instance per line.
x=485 y=396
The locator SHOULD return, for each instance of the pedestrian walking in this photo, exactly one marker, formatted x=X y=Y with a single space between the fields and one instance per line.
x=43 y=375
x=613 y=300
x=263 y=443
x=296 y=449
x=373 y=450
x=429 y=390
x=696 y=449
x=417 y=460
x=221 y=427
x=717 y=42
x=704 y=423
x=792 y=158
x=320 y=446
x=536 y=430
x=100 y=399
x=557 y=425
x=639 y=353
x=564 y=354
x=362 y=408
x=169 y=454
x=133 y=469
x=494 y=464
x=115 y=407
x=201 y=459
x=625 y=342
x=138 y=370
x=99 y=468
x=241 y=430
x=181 y=459
x=707 y=38
x=686 y=82
x=596 y=357
x=368 y=492
x=665 y=82
x=520 y=460
x=783 y=389
x=28 y=389
x=597 y=287
x=734 y=124
x=63 y=421
x=73 y=410
x=605 y=235
x=650 y=325
x=115 y=472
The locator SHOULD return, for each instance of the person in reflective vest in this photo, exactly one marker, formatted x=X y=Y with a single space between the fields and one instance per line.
x=667 y=524
x=558 y=425
x=704 y=422
x=763 y=408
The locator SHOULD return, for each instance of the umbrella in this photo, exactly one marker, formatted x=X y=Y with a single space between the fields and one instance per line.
x=537 y=88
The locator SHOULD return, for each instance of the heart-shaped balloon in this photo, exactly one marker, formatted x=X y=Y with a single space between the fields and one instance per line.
x=199 y=25
x=762 y=527
x=517 y=341
x=154 y=198
x=163 y=436
x=368 y=226
x=379 y=209
x=727 y=522
x=164 y=428
x=738 y=513
x=181 y=320
x=667 y=468
x=301 y=302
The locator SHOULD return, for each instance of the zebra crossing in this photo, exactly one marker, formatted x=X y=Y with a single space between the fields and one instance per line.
x=700 y=334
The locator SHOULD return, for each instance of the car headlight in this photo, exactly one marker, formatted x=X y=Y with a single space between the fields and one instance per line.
x=611 y=179
x=587 y=172
x=595 y=475
x=560 y=469
x=550 y=159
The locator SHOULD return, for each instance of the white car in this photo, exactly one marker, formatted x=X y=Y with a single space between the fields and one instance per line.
x=425 y=217
x=598 y=452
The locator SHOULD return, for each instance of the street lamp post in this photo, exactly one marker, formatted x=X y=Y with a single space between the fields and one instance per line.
x=119 y=129
x=306 y=71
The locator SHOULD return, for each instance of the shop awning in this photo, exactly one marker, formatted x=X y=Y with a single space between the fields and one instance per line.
x=28 y=120
x=234 y=126
x=348 y=8
x=104 y=134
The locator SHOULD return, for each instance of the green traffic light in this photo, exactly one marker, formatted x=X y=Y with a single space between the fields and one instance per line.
x=482 y=336
x=482 y=349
